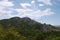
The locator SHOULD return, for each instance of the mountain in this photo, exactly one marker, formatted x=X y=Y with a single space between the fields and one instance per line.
x=17 y=28
x=26 y=24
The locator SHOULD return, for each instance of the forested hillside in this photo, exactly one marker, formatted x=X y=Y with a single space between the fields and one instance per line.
x=26 y=29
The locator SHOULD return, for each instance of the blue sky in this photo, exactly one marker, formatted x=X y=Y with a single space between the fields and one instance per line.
x=44 y=11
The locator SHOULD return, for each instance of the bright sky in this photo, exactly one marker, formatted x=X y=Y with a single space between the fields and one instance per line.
x=44 y=11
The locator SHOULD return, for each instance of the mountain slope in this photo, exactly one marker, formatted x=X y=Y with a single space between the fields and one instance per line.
x=17 y=28
x=26 y=23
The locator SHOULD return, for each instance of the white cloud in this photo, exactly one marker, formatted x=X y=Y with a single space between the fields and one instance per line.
x=48 y=2
x=22 y=12
x=6 y=3
x=32 y=1
x=41 y=4
x=48 y=11
x=25 y=5
x=34 y=14
x=5 y=12
x=4 y=0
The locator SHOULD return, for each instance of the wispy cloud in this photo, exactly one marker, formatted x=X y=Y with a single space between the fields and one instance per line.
x=6 y=8
x=41 y=4
x=35 y=9
x=24 y=10
x=33 y=1
x=4 y=5
x=25 y=5
x=47 y=2
x=34 y=14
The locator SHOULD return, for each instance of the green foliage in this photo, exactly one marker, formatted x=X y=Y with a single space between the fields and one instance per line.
x=13 y=34
x=10 y=34
x=15 y=29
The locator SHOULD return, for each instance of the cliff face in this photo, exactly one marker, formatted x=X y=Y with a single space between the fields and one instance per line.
x=26 y=23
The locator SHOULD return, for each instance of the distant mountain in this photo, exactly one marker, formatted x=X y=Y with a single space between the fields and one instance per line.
x=26 y=24
x=58 y=26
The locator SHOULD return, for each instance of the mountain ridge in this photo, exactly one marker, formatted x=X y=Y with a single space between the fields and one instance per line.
x=26 y=22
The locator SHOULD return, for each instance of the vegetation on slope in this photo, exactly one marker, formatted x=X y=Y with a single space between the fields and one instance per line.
x=26 y=29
